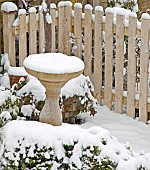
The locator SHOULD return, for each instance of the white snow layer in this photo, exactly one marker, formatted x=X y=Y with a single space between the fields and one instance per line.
x=76 y=86
x=18 y=71
x=145 y=16
x=109 y=10
x=55 y=63
x=47 y=135
x=21 y=12
x=99 y=8
x=5 y=61
x=53 y=5
x=89 y=7
x=27 y=110
x=78 y=5
x=61 y=3
x=34 y=87
x=120 y=11
x=8 y=7
x=68 y=3
x=32 y=10
x=5 y=115
x=48 y=18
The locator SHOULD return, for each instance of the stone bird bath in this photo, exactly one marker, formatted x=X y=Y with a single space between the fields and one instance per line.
x=53 y=70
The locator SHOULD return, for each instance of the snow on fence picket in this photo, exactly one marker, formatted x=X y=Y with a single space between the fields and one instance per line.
x=93 y=27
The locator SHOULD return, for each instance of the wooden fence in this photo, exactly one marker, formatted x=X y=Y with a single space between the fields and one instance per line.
x=94 y=28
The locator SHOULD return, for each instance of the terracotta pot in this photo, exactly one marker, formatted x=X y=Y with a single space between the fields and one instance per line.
x=15 y=79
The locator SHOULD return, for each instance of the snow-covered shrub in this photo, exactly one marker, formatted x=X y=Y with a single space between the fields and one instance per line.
x=77 y=97
x=23 y=99
x=5 y=117
x=127 y=4
x=34 y=145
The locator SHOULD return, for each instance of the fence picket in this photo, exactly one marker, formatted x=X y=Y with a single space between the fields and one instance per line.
x=98 y=56
x=144 y=61
x=22 y=38
x=78 y=29
x=88 y=41
x=9 y=38
x=68 y=27
x=53 y=13
x=61 y=18
x=41 y=32
x=32 y=33
x=131 y=81
x=119 y=63
x=108 y=59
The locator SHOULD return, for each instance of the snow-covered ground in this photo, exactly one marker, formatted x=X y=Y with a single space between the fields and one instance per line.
x=126 y=129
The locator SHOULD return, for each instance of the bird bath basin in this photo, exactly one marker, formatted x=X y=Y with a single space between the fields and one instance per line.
x=53 y=70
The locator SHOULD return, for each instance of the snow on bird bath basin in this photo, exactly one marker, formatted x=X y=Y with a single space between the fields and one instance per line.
x=55 y=63
x=53 y=70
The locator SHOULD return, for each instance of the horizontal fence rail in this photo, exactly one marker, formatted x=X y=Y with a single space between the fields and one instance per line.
x=99 y=39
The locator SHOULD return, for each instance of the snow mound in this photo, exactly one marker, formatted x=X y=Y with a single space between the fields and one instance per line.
x=30 y=133
x=8 y=7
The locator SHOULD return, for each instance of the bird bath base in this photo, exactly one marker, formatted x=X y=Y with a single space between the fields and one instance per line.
x=53 y=83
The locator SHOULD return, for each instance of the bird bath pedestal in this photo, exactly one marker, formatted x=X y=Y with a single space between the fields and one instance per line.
x=53 y=70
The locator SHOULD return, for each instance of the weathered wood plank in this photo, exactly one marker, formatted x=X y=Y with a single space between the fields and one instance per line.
x=108 y=59
x=68 y=28
x=119 y=63
x=131 y=81
x=32 y=32
x=88 y=41
x=22 y=38
x=98 y=56
x=144 y=62
x=52 y=13
x=61 y=37
x=78 y=29
x=9 y=38
x=41 y=32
